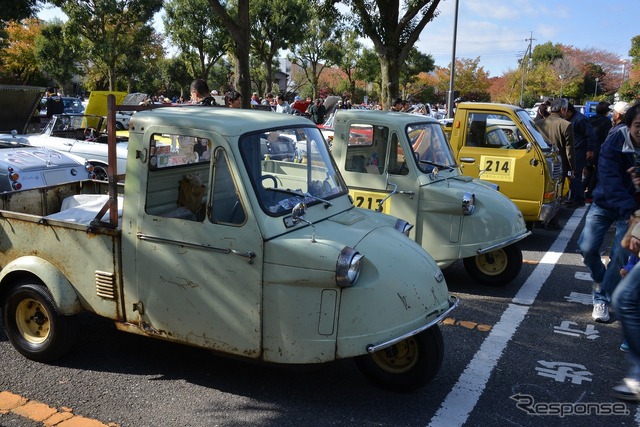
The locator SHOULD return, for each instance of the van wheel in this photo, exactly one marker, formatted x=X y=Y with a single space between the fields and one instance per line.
x=496 y=268
x=33 y=324
x=407 y=365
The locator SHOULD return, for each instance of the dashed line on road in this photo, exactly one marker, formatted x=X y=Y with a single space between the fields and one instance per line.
x=464 y=396
x=43 y=413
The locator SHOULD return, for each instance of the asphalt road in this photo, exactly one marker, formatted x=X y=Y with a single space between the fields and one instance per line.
x=522 y=355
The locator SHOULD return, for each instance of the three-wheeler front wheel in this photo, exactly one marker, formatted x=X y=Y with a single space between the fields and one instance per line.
x=496 y=268
x=33 y=324
x=407 y=365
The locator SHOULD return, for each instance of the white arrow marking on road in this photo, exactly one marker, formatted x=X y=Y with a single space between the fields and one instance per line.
x=464 y=396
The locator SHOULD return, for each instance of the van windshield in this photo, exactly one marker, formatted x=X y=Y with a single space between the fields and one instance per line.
x=430 y=147
x=289 y=166
x=526 y=119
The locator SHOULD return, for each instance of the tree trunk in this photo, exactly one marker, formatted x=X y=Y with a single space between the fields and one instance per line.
x=390 y=72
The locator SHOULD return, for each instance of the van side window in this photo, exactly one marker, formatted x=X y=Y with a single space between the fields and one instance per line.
x=226 y=207
x=367 y=149
x=178 y=175
x=397 y=160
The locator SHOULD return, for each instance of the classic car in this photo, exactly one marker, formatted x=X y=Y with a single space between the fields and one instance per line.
x=83 y=135
x=22 y=166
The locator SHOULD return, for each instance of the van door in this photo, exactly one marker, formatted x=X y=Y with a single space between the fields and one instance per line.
x=199 y=249
x=496 y=150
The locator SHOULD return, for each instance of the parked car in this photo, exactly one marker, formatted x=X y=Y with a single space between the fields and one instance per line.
x=24 y=167
x=71 y=105
x=83 y=135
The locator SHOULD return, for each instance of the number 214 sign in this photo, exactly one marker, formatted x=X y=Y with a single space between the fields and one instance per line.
x=497 y=168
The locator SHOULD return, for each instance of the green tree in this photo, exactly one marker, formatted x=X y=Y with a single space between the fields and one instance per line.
x=106 y=26
x=546 y=53
x=368 y=70
x=416 y=63
x=313 y=55
x=274 y=28
x=16 y=10
x=471 y=80
x=58 y=53
x=203 y=41
x=345 y=55
x=393 y=35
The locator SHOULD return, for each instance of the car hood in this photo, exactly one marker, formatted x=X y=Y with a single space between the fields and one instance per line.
x=18 y=105
x=27 y=158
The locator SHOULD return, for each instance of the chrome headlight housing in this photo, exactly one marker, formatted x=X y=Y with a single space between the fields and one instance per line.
x=468 y=203
x=348 y=267
x=403 y=226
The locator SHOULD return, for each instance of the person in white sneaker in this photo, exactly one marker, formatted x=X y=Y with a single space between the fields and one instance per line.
x=614 y=200
x=626 y=301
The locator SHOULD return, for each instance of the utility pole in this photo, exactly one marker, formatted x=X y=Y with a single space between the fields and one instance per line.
x=524 y=65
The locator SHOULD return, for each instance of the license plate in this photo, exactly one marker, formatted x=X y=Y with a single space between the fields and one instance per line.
x=497 y=168
x=370 y=200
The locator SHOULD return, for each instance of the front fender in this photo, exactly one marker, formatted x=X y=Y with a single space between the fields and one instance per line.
x=63 y=293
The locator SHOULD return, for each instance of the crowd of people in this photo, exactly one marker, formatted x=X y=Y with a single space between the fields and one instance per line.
x=601 y=158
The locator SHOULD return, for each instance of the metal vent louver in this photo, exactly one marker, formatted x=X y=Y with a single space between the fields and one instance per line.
x=106 y=284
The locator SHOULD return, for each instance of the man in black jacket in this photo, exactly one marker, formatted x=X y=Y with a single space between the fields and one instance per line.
x=601 y=124
x=200 y=93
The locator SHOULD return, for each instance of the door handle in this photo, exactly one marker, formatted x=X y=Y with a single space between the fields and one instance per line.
x=467 y=159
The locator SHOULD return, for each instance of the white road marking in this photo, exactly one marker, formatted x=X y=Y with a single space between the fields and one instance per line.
x=464 y=396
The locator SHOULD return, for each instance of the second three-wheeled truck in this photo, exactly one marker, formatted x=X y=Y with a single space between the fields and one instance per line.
x=219 y=246
x=401 y=164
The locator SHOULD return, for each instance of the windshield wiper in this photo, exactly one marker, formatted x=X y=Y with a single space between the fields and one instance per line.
x=327 y=203
x=438 y=165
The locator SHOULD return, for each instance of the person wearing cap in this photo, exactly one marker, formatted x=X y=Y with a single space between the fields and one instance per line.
x=618 y=111
x=614 y=201
x=200 y=93
x=255 y=99
x=559 y=132
x=54 y=103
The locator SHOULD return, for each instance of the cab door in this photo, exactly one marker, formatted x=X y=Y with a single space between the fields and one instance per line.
x=199 y=251
x=496 y=150
x=372 y=151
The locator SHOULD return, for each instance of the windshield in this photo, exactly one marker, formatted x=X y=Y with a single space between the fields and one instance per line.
x=70 y=123
x=526 y=119
x=289 y=166
x=430 y=147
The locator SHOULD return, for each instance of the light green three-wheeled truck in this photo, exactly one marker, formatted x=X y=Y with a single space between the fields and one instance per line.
x=215 y=244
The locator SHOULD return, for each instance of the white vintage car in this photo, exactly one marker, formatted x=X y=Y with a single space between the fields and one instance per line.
x=83 y=135
x=23 y=167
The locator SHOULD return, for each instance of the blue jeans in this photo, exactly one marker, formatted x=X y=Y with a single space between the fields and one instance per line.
x=626 y=301
x=596 y=225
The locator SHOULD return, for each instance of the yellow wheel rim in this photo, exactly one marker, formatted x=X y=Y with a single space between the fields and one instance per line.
x=398 y=358
x=32 y=320
x=493 y=263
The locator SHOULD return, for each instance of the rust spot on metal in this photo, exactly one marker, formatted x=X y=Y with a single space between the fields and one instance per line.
x=404 y=301
x=181 y=282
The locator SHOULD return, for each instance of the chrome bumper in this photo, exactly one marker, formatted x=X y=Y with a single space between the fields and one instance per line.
x=503 y=244
x=549 y=210
x=453 y=303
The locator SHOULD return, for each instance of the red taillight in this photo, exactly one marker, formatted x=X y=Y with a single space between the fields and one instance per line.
x=16 y=185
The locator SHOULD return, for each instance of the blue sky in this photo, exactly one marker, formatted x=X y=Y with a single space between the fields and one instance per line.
x=498 y=30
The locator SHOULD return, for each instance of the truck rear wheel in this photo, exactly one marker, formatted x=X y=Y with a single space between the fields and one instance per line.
x=496 y=268
x=33 y=324
x=407 y=365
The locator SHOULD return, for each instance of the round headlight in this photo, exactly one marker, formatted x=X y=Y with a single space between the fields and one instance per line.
x=348 y=267
x=468 y=203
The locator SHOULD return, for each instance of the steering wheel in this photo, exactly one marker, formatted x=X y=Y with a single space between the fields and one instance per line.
x=272 y=178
